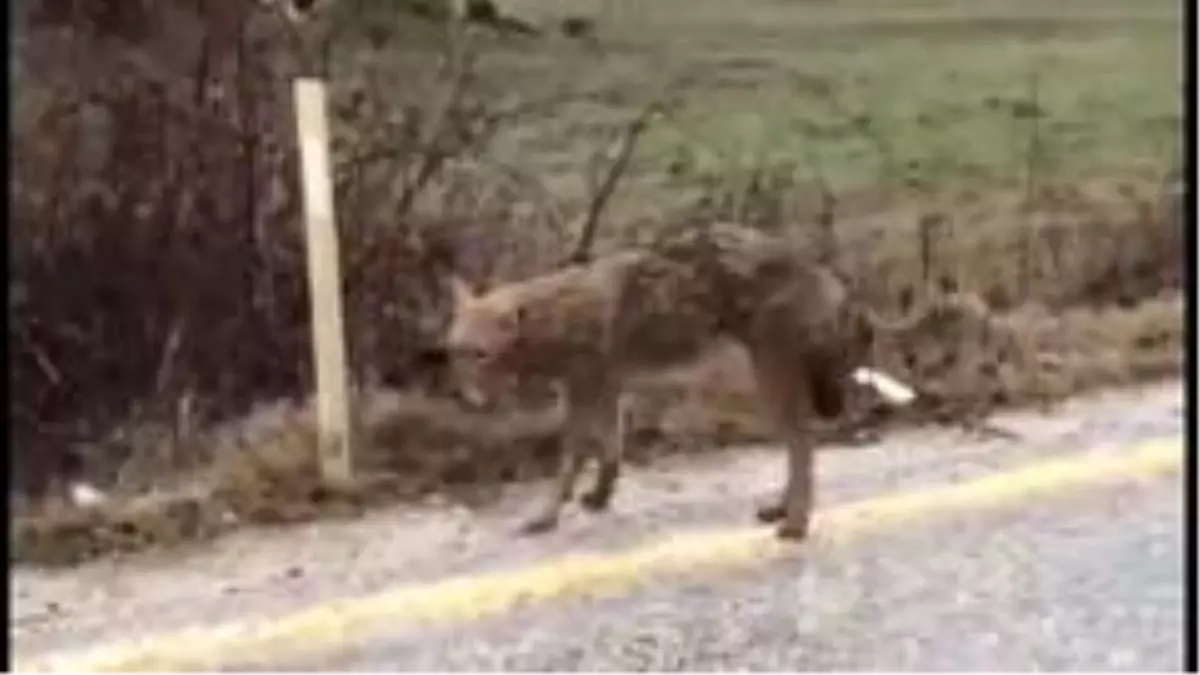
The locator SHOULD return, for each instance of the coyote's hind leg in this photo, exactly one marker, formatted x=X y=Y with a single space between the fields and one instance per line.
x=612 y=412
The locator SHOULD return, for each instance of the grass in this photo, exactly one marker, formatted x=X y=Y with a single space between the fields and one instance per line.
x=1037 y=133
x=944 y=87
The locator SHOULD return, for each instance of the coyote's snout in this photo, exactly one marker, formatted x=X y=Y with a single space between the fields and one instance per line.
x=589 y=327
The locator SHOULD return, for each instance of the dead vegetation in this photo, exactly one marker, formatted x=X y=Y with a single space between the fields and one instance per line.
x=157 y=289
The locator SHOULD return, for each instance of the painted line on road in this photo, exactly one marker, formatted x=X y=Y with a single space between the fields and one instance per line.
x=602 y=574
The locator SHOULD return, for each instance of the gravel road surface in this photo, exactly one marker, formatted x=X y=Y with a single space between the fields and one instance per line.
x=1093 y=581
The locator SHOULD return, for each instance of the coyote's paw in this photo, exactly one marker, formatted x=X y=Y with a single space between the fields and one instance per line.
x=538 y=525
x=595 y=500
x=792 y=531
x=769 y=513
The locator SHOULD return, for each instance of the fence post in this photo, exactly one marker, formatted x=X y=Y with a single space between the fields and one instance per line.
x=324 y=281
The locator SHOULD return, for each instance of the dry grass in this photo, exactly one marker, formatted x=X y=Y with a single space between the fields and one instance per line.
x=1018 y=152
x=420 y=446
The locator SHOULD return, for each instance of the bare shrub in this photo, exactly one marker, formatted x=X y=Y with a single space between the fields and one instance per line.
x=158 y=267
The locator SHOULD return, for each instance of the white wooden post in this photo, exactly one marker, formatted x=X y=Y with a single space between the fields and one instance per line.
x=324 y=281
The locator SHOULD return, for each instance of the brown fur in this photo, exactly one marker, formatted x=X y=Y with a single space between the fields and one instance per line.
x=590 y=327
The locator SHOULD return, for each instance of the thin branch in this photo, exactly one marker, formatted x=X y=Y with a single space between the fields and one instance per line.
x=521 y=178
x=1032 y=159
x=436 y=152
x=616 y=170
x=437 y=149
x=1034 y=149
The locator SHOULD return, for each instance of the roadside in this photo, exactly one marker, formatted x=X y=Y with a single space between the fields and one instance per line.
x=268 y=572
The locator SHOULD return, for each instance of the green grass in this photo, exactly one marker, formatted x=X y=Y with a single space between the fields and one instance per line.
x=870 y=91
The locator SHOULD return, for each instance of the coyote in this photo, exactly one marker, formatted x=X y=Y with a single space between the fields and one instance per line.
x=589 y=327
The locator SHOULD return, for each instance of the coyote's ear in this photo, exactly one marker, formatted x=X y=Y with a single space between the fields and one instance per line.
x=462 y=290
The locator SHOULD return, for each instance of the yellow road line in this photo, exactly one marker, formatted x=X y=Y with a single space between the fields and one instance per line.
x=599 y=575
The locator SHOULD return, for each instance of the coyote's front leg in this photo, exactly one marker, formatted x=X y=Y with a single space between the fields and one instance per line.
x=568 y=472
x=589 y=429
x=612 y=411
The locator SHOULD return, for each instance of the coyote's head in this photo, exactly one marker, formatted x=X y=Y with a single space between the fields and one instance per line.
x=484 y=329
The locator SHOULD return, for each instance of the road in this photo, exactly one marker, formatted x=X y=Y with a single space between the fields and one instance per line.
x=933 y=550
x=1045 y=587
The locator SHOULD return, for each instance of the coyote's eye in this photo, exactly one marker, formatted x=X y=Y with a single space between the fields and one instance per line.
x=471 y=353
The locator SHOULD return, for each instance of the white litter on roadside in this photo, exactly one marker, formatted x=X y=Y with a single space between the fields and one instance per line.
x=895 y=391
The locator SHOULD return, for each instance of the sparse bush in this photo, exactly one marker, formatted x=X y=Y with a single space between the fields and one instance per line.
x=158 y=266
